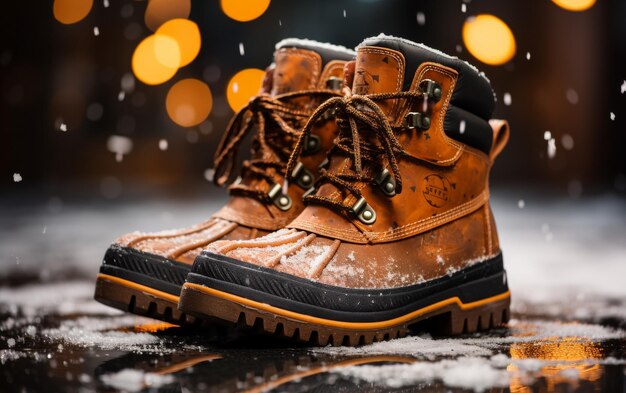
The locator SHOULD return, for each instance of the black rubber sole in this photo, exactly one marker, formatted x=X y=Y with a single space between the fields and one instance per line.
x=142 y=283
x=483 y=280
x=473 y=299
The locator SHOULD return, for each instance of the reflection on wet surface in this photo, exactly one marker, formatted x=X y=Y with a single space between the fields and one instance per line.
x=529 y=356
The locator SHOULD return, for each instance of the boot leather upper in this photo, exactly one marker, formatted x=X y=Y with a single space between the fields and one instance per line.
x=243 y=217
x=439 y=223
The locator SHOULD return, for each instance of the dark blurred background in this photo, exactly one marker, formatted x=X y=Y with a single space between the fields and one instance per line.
x=73 y=77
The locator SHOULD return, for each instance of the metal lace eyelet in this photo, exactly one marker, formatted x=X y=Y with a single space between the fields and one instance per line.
x=334 y=83
x=431 y=88
x=280 y=200
x=386 y=182
x=312 y=144
x=363 y=211
x=417 y=120
x=302 y=176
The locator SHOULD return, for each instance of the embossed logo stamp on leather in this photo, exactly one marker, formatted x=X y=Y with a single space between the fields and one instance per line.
x=435 y=189
x=362 y=81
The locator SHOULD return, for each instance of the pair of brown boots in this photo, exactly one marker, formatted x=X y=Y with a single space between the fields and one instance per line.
x=362 y=212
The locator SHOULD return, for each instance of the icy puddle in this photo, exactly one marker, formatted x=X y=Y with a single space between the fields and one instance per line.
x=53 y=337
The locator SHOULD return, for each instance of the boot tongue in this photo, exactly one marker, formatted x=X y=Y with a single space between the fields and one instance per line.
x=296 y=69
x=378 y=70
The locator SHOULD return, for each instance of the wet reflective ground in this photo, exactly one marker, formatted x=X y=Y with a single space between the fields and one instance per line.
x=103 y=352
x=567 y=335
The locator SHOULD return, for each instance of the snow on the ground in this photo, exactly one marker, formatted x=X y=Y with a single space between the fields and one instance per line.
x=94 y=332
x=75 y=297
x=465 y=372
x=476 y=362
x=483 y=344
x=475 y=373
x=130 y=380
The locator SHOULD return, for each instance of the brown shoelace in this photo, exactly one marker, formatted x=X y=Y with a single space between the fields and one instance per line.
x=359 y=118
x=276 y=123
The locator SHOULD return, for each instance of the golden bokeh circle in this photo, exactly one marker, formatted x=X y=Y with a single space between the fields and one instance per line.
x=244 y=10
x=156 y=59
x=160 y=11
x=575 y=5
x=489 y=39
x=187 y=34
x=243 y=86
x=71 y=11
x=189 y=102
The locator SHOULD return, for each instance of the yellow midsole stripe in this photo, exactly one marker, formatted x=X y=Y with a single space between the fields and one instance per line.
x=138 y=287
x=341 y=324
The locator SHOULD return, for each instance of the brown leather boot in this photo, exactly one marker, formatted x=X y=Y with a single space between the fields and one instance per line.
x=399 y=229
x=143 y=272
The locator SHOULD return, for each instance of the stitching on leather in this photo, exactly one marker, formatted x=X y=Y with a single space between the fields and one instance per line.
x=252 y=220
x=328 y=70
x=418 y=226
x=348 y=235
x=444 y=109
x=488 y=226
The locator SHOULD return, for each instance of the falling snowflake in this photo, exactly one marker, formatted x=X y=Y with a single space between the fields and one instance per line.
x=462 y=127
x=572 y=96
x=507 y=99
x=63 y=127
x=567 y=141
x=45 y=229
x=521 y=203
x=17 y=177
x=121 y=95
x=280 y=22
x=241 y=49
x=421 y=18
x=547 y=135
x=163 y=144
x=612 y=116
x=96 y=31
x=235 y=87
x=623 y=87
x=551 y=148
x=459 y=49
x=127 y=82
x=463 y=8
x=344 y=13
x=527 y=55
x=209 y=173
x=105 y=3
x=120 y=145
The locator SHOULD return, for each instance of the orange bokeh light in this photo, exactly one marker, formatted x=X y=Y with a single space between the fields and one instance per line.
x=189 y=102
x=186 y=34
x=489 y=39
x=575 y=5
x=156 y=59
x=244 y=10
x=71 y=11
x=160 y=11
x=243 y=86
